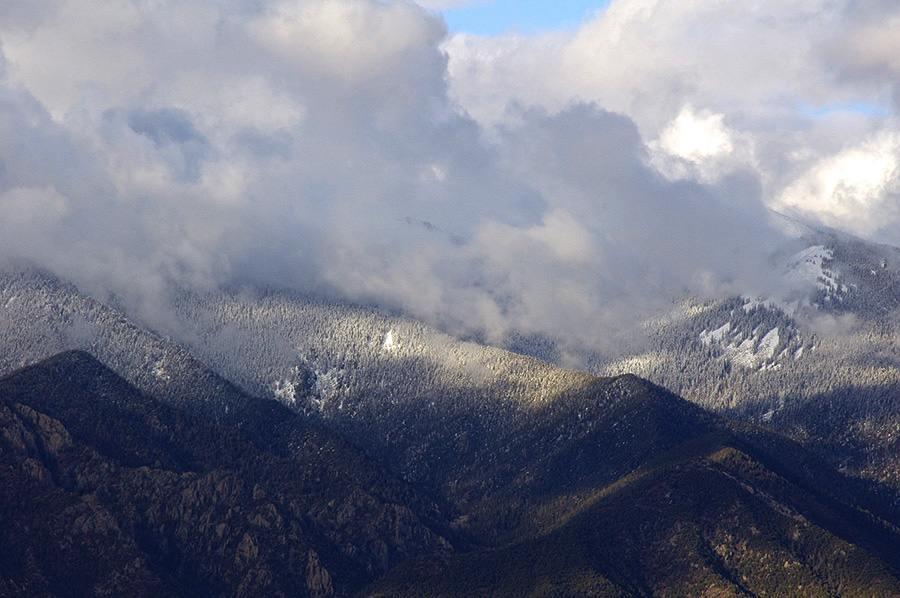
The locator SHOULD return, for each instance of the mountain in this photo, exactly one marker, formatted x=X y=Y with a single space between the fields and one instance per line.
x=384 y=452
x=41 y=315
x=710 y=519
x=107 y=491
x=405 y=393
x=821 y=368
x=825 y=370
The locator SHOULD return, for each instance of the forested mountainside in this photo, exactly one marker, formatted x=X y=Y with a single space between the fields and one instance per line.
x=709 y=519
x=404 y=443
x=109 y=492
x=824 y=370
x=369 y=375
x=41 y=315
x=315 y=356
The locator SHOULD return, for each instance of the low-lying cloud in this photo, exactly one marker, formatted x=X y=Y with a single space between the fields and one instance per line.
x=564 y=185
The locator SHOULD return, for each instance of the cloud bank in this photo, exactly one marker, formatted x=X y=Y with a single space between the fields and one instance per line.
x=560 y=184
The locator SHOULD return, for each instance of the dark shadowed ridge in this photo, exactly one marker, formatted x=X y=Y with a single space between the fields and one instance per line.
x=615 y=488
x=719 y=515
x=107 y=491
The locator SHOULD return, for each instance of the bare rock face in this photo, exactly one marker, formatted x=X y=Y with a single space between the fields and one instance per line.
x=318 y=580
x=50 y=434
x=247 y=551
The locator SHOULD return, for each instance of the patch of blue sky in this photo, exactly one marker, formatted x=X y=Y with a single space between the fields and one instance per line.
x=868 y=109
x=521 y=16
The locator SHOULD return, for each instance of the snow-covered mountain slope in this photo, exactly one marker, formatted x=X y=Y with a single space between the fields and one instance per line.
x=823 y=368
x=483 y=428
x=412 y=397
x=41 y=316
x=508 y=442
x=337 y=358
x=330 y=359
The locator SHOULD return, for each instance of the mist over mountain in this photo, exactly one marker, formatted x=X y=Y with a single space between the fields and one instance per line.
x=286 y=143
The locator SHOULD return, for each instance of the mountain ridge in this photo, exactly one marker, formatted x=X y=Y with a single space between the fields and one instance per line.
x=179 y=491
x=476 y=454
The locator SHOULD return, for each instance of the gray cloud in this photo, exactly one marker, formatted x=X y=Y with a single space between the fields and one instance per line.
x=303 y=143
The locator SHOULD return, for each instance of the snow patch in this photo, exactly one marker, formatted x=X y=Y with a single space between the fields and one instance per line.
x=389 y=344
x=755 y=352
x=328 y=384
x=768 y=344
x=285 y=391
x=160 y=372
x=716 y=336
x=808 y=267
x=743 y=354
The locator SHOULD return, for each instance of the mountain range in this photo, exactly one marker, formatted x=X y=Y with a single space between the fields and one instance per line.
x=259 y=442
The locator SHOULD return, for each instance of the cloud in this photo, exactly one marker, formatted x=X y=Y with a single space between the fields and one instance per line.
x=354 y=40
x=863 y=49
x=450 y=4
x=857 y=189
x=565 y=184
x=696 y=137
x=26 y=211
x=649 y=58
x=781 y=85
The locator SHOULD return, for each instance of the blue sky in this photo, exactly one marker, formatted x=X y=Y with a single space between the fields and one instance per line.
x=491 y=17
x=869 y=109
